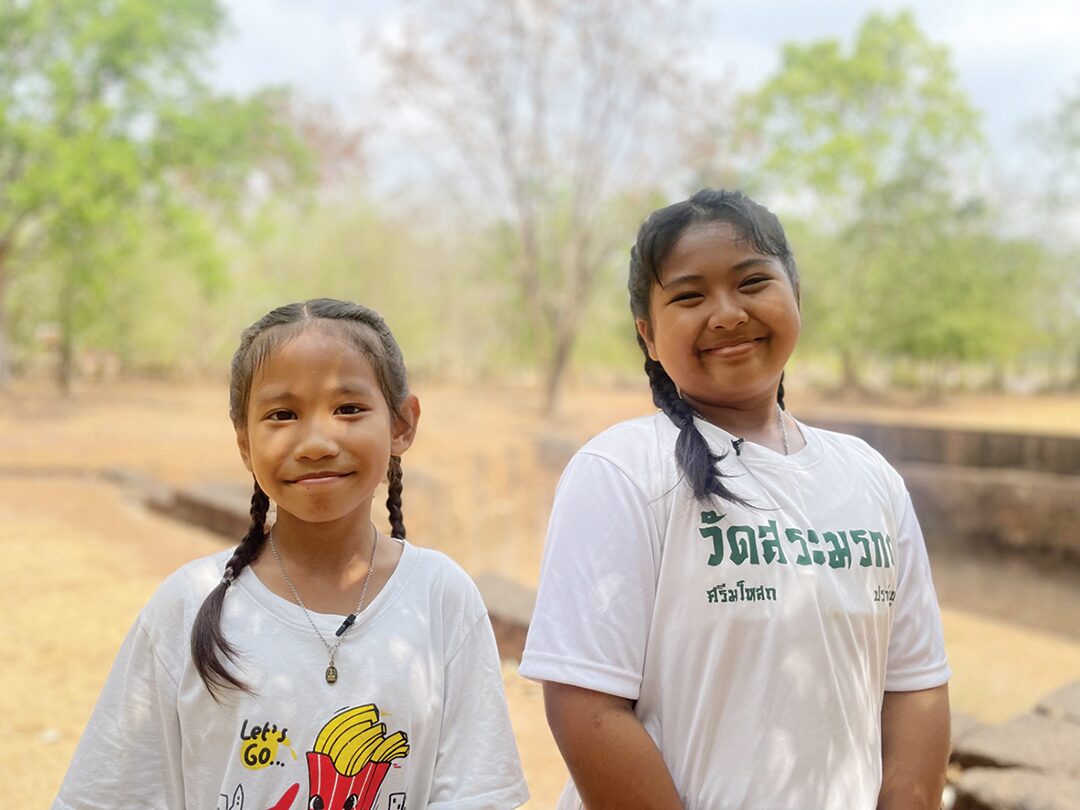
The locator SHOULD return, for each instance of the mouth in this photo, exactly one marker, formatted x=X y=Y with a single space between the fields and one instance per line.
x=736 y=348
x=319 y=477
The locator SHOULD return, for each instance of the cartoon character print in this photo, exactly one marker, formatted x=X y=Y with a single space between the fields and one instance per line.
x=350 y=760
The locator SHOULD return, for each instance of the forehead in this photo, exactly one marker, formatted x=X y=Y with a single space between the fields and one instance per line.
x=710 y=245
x=315 y=358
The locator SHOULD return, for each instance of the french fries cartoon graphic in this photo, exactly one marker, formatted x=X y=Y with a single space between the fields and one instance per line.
x=350 y=759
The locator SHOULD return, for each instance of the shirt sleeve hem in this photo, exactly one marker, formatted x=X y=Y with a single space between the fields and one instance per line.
x=538 y=666
x=508 y=797
x=920 y=679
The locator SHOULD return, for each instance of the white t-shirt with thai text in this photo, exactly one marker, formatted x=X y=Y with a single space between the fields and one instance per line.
x=756 y=641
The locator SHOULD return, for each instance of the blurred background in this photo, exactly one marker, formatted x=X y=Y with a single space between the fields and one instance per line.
x=476 y=171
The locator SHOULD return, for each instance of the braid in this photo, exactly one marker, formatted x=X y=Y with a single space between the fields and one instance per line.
x=780 y=393
x=693 y=454
x=393 y=498
x=206 y=636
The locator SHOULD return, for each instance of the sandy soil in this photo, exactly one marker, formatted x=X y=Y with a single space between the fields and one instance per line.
x=80 y=558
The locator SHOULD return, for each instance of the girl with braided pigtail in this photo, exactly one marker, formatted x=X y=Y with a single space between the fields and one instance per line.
x=260 y=671
x=735 y=609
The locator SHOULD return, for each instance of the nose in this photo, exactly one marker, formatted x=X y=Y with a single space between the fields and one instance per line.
x=727 y=311
x=318 y=441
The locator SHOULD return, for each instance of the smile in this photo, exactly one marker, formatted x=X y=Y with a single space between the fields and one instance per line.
x=731 y=350
x=319 y=478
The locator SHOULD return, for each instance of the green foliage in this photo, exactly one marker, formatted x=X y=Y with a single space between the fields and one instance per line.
x=107 y=134
x=873 y=147
x=845 y=126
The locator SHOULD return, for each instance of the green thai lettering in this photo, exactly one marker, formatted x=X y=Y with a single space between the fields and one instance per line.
x=889 y=549
x=715 y=534
x=817 y=555
x=881 y=554
x=742 y=544
x=796 y=536
x=722 y=594
x=711 y=532
x=861 y=537
x=771 y=549
x=839 y=550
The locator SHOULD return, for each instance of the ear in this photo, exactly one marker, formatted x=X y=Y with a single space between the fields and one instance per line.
x=245 y=447
x=644 y=328
x=404 y=427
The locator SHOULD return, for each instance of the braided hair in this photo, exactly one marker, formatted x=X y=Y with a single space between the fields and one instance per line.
x=365 y=331
x=655 y=241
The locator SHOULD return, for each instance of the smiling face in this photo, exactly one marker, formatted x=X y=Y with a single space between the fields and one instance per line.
x=723 y=320
x=318 y=433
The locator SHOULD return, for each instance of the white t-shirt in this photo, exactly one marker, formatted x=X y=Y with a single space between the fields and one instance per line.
x=416 y=719
x=757 y=642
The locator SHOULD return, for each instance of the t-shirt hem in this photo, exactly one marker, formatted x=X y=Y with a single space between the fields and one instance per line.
x=511 y=796
x=922 y=679
x=546 y=667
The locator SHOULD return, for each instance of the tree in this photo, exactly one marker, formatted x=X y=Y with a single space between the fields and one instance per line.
x=871 y=143
x=104 y=122
x=1058 y=136
x=540 y=115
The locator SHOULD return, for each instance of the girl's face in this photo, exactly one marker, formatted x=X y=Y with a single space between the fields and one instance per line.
x=723 y=319
x=319 y=435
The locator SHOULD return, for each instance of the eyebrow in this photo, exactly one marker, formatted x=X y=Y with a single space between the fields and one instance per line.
x=738 y=267
x=285 y=395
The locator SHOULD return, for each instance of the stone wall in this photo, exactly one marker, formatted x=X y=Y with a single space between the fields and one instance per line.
x=1014 y=491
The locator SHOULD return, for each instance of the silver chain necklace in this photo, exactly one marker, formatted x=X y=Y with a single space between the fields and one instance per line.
x=783 y=428
x=331 y=670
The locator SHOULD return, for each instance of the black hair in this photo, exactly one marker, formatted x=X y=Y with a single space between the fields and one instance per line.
x=366 y=331
x=655 y=240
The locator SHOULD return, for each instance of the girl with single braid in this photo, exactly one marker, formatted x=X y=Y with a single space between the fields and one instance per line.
x=320 y=664
x=735 y=609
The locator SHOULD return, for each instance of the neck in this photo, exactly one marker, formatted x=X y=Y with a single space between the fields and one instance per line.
x=324 y=547
x=755 y=421
x=744 y=419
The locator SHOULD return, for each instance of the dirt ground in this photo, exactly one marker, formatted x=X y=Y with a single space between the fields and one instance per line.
x=81 y=557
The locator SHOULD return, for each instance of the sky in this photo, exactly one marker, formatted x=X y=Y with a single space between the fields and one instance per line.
x=1015 y=60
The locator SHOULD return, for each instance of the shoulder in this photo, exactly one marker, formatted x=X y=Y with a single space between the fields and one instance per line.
x=845 y=448
x=180 y=596
x=436 y=577
x=642 y=449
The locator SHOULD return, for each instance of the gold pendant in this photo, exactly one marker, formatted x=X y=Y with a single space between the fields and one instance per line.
x=331 y=674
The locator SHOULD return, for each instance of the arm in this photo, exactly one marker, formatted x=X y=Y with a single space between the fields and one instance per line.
x=914 y=749
x=612 y=759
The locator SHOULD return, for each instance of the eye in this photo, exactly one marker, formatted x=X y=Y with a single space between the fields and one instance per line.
x=316 y=803
x=280 y=415
x=685 y=297
x=350 y=802
x=754 y=281
x=352 y=409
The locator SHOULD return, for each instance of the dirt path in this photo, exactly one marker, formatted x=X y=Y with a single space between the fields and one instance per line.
x=80 y=559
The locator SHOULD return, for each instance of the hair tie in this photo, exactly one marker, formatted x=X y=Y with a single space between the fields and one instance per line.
x=228 y=578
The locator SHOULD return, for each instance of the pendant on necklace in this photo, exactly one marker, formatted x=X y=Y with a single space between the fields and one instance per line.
x=331 y=674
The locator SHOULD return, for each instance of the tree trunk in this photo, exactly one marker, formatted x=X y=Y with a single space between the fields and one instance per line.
x=851 y=375
x=555 y=374
x=65 y=370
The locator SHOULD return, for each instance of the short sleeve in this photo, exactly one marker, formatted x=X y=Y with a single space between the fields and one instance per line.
x=129 y=754
x=477 y=766
x=917 y=646
x=597 y=588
